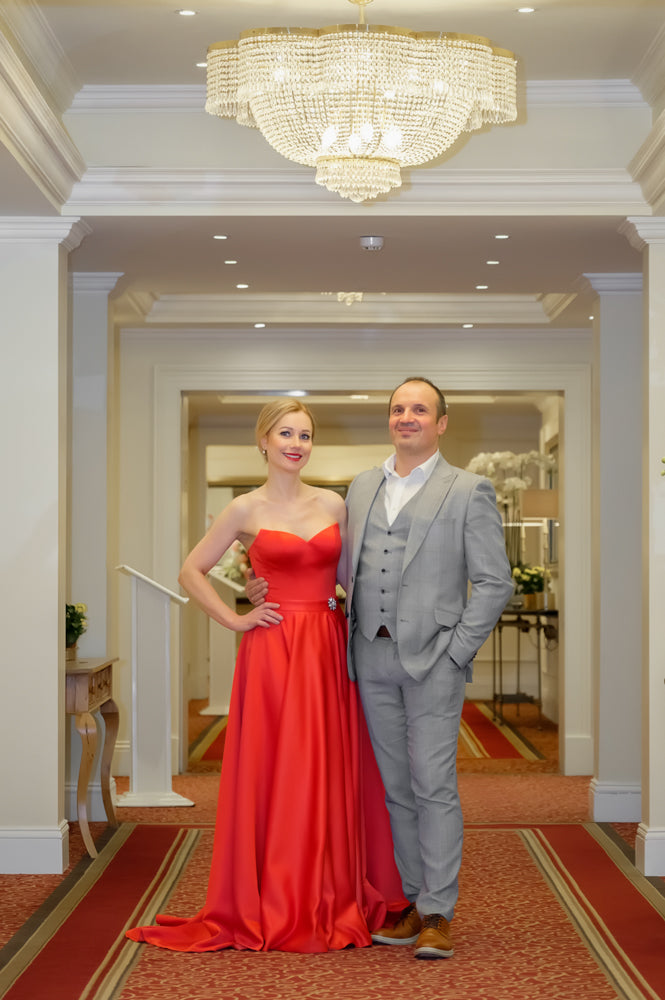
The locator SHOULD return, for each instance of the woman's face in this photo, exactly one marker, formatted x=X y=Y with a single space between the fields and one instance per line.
x=288 y=443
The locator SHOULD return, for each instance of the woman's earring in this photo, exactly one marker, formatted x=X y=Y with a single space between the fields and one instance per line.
x=263 y=451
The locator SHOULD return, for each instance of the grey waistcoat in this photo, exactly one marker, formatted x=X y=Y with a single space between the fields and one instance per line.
x=380 y=567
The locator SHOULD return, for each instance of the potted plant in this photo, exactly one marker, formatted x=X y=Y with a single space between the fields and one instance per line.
x=75 y=625
x=530 y=582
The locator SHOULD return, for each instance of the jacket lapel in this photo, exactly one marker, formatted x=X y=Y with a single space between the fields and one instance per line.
x=426 y=505
x=363 y=502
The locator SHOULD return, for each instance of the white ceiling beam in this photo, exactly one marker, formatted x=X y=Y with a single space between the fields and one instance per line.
x=435 y=191
x=389 y=309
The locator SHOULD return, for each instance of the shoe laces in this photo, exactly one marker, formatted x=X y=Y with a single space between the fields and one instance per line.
x=435 y=920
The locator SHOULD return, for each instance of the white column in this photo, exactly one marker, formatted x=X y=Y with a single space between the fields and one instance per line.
x=33 y=389
x=89 y=572
x=648 y=234
x=617 y=550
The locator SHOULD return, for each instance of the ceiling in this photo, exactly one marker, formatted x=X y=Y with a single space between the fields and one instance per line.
x=287 y=252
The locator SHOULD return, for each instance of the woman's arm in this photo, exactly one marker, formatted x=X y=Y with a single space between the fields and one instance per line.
x=194 y=574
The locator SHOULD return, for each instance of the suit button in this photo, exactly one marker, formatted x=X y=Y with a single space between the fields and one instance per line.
x=384 y=570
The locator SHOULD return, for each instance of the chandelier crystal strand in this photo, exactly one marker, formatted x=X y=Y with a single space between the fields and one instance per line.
x=359 y=102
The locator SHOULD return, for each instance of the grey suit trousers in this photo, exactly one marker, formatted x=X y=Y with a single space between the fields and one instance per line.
x=414 y=727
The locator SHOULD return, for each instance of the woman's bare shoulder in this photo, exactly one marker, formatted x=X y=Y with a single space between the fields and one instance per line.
x=331 y=500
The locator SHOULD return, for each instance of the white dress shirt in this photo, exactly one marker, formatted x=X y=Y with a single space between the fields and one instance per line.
x=400 y=489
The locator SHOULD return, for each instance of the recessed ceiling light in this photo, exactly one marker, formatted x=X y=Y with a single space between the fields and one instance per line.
x=481 y=288
x=502 y=236
x=467 y=326
x=259 y=326
x=526 y=10
x=203 y=65
x=592 y=317
x=230 y=261
x=186 y=13
x=242 y=286
x=358 y=395
x=220 y=237
x=296 y=392
x=491 y=262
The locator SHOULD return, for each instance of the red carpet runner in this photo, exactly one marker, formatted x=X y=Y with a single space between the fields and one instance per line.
x=480 y=737
x=545 y=913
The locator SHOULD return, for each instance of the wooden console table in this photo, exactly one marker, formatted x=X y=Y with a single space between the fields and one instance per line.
x=546 y=621
x=89 y=687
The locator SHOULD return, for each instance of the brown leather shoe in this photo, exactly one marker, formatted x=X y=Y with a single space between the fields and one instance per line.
x=434 y=940
x=405 y=931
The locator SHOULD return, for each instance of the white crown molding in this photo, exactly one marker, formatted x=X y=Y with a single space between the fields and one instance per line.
x=304 y=308
x=132 y=307
x=34 y=39
x=584 y=93
x=436 y=191
x=47 y=229
x=650 y=75
x=602 y=283
x=640 y=232
x=33 y=132
x=94 y=281
x=99 y=99
x=554 y=303
x=648 y=165
x=111 y=99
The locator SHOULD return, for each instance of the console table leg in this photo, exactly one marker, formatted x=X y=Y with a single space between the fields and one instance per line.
x=87 y=730
x=111 y=721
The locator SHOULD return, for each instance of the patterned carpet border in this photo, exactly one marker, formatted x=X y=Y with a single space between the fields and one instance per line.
x=510 y=940
x=68 y=948
x=483 y=736
x=205 y=746
x=623 y=929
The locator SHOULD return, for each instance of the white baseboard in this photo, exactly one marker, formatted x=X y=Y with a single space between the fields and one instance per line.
x=36 y=851
x=650 y=850
x=122 y=757
x=610 y=802
x=96 y=811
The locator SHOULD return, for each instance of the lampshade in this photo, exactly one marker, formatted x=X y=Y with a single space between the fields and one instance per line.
x=357 y=101
x=540 y=503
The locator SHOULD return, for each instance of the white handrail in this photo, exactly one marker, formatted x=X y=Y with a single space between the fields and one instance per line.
x=151 y=773
x=153 y=583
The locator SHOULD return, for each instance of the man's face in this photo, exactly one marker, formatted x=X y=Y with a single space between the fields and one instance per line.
x=414 y=427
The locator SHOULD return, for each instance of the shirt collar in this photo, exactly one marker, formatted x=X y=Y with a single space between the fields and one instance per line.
x=422 y=472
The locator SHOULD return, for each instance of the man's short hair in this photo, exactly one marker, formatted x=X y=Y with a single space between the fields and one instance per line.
x=441 y=407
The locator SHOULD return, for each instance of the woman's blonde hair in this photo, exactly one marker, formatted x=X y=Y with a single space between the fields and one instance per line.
x=273 y=412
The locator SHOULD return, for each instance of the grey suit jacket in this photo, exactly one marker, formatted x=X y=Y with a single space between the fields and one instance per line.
x=456 y=538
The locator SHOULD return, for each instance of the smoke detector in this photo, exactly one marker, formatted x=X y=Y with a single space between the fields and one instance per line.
x=371 y=242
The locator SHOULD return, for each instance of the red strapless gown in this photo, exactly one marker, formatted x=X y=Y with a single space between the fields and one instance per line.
x=303 y=857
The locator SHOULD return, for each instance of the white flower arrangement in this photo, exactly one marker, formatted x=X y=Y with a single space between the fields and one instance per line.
x=509 y=474
x=507 y=471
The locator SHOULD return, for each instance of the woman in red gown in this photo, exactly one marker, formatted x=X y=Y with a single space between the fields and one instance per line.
x=303 y=858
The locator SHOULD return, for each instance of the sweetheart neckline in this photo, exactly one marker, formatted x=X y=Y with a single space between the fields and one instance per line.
x=280 y=531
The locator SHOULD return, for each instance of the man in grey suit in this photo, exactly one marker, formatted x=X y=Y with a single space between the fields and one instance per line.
x=420 y=531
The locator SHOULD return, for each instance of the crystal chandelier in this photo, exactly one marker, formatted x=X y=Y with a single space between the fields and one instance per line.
x=359 y=101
